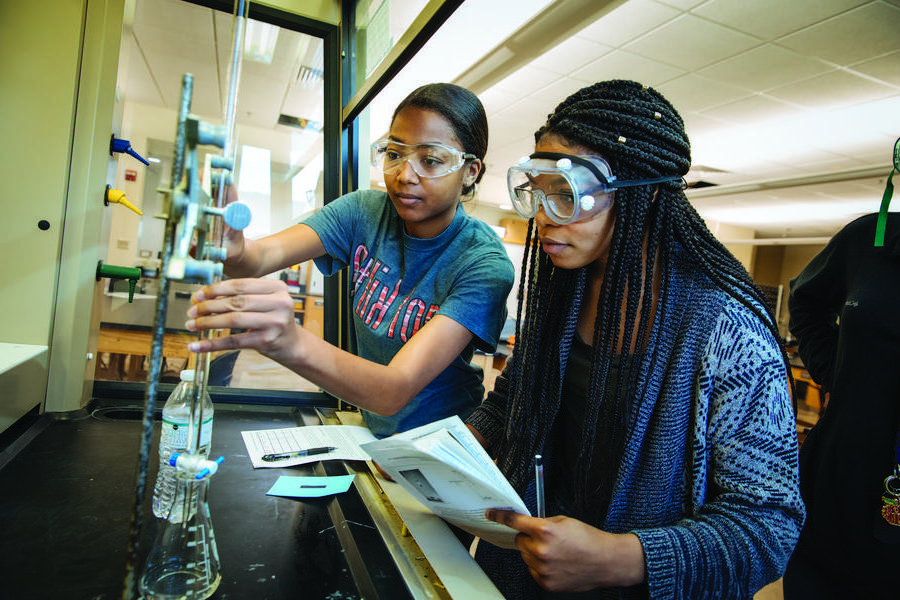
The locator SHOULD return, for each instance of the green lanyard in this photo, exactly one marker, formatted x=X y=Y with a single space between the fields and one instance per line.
x=882 y=212
x=886 y=198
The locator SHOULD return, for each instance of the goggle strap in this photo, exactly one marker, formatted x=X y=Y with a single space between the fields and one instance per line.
x=613 y=185
x=610 y=184
x=575 y=159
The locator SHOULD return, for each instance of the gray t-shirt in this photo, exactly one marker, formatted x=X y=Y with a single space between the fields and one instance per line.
x=398 y=283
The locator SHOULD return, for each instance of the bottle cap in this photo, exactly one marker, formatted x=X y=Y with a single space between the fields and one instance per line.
x=187 y=375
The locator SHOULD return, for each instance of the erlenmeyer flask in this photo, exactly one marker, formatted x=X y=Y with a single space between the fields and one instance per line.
x=184 y=561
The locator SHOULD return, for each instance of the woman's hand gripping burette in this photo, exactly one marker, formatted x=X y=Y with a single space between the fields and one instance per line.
x=262 y=307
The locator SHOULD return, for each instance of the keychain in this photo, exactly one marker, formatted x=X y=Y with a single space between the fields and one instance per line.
x=890 y=500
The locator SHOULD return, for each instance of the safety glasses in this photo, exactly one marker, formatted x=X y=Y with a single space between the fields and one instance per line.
x=571 y=188
x=427 y=160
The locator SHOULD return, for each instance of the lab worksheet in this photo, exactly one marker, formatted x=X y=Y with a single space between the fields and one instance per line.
x=344 y=439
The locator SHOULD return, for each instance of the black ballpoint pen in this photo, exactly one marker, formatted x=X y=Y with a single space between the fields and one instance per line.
x=299 y=453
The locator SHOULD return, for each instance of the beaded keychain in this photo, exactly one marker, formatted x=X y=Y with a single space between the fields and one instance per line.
x=890 y=500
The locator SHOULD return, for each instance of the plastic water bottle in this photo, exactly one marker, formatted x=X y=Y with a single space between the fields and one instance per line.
x=174 y=438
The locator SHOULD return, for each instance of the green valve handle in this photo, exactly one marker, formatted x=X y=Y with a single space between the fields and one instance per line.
x=132 y=274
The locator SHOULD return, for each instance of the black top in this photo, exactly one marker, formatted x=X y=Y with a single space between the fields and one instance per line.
x=845 y=313
x=569 y=436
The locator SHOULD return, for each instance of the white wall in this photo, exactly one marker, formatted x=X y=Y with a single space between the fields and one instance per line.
x=743 y=252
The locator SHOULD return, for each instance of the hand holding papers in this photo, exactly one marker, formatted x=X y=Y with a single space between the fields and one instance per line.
x=444 y=467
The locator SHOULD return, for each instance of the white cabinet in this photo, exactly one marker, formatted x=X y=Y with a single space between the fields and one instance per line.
x=58 y=80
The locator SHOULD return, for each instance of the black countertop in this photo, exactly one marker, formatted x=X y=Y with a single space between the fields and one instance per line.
x=68 y=488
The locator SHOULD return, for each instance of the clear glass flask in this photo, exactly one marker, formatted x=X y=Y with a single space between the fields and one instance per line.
x=184 y=561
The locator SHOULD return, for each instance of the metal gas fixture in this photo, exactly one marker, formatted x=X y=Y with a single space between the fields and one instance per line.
x=184 y=562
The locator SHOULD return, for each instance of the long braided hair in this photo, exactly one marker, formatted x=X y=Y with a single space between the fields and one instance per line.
x=641 y=136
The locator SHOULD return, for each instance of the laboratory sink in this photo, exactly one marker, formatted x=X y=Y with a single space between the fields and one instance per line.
x=123 y=413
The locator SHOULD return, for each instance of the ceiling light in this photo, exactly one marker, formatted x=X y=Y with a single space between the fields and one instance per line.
x=259 y=44
x=793 y=139
x=298 y=122
x=789 y=213
x=309 y=76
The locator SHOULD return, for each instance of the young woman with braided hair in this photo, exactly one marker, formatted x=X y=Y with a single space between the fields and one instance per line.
x=646 y=372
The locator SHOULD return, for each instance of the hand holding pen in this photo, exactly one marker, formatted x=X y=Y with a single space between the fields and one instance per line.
x=298 y=453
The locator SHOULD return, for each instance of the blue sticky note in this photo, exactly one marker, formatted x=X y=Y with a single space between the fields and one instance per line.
x=292 y=486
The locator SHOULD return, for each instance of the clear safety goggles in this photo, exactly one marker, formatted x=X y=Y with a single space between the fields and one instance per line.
x=427 y=160
x=571 y=188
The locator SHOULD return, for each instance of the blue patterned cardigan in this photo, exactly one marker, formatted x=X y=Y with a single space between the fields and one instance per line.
x=708 y=481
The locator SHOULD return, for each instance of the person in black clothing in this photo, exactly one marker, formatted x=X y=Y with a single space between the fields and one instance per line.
x=845 y=313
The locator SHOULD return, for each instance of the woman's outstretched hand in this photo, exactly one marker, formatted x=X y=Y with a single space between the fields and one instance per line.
x=261 y=306
x=567 y=555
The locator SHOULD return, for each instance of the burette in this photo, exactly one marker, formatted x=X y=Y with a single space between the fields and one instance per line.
x=193 y=225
